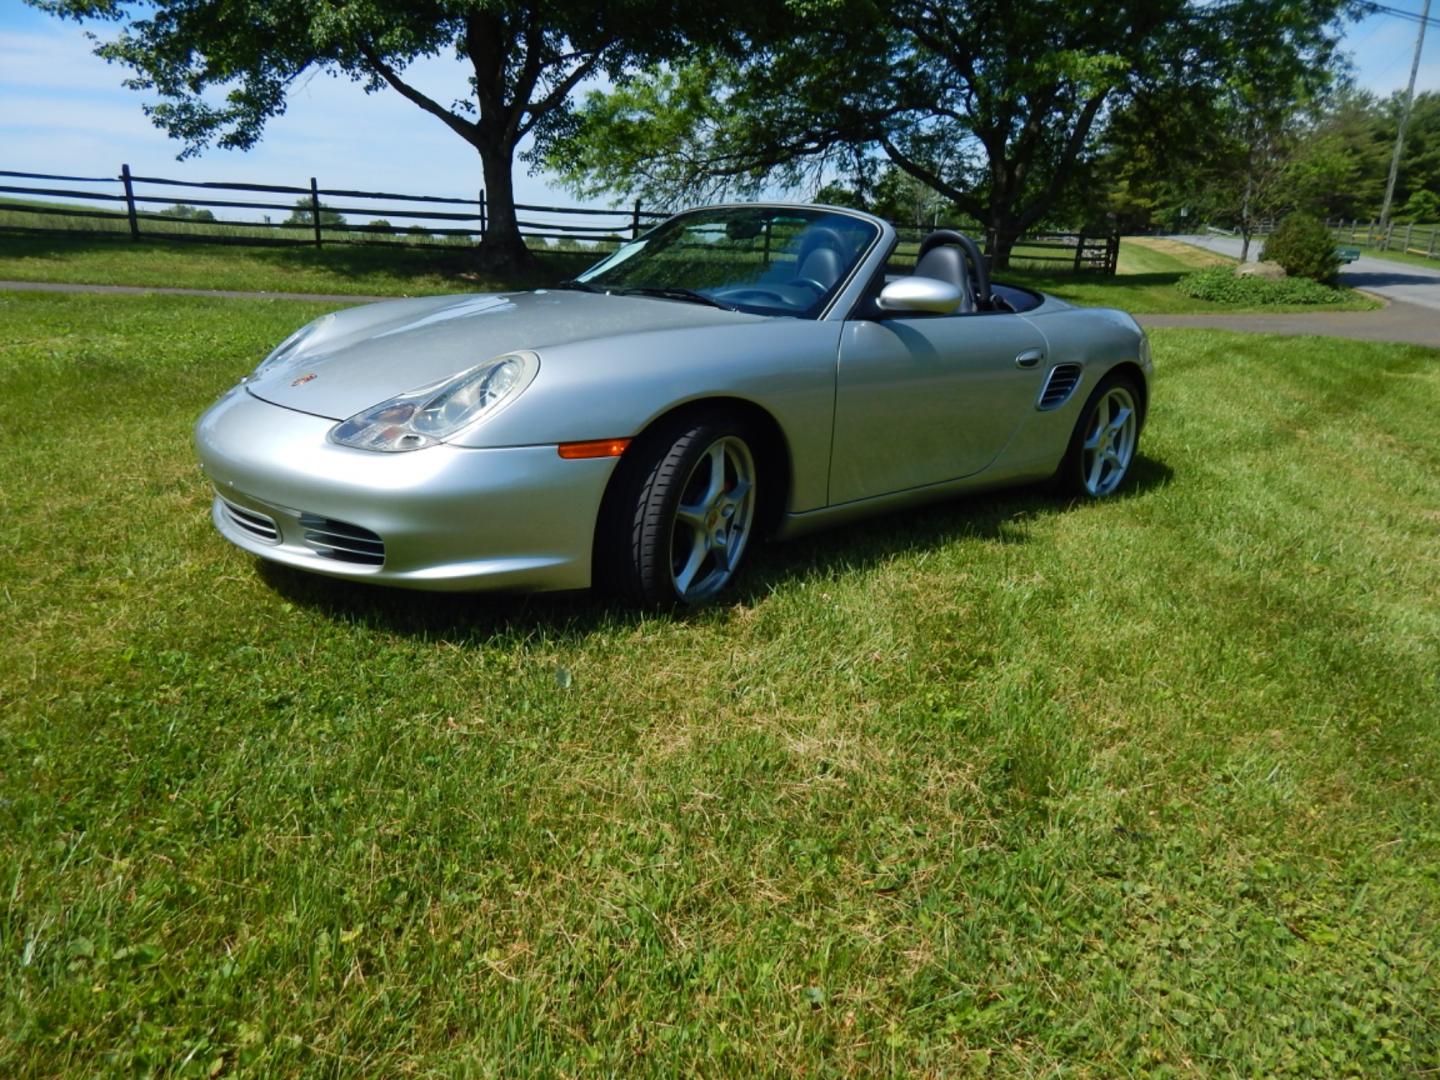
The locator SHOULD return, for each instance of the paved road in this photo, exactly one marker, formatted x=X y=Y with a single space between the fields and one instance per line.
x=1391 y=280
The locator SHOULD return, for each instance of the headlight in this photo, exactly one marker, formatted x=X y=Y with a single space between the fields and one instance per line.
x=289 y=347
x=431 y=414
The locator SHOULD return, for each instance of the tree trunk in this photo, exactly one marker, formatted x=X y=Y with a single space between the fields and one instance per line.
x=503 y=248
x=1004 y=232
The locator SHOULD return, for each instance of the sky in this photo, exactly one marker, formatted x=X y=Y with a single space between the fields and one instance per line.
x=63 y=110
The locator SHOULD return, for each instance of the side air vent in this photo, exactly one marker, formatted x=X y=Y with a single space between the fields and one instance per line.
x=249 y=522
x=342 y=541
x=1060 y=384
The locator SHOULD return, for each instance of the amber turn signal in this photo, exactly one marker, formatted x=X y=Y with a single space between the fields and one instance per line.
x=595 y=448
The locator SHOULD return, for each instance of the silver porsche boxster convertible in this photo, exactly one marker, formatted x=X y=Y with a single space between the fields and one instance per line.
x=735 y=372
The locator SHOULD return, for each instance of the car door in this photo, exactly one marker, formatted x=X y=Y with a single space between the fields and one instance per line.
x=921 y=399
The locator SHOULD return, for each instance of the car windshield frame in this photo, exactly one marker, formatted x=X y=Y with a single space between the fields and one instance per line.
x=757 y=258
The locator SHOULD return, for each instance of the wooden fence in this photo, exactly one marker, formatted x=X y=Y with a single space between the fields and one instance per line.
x=130 y=205
x=1410 y=238
x=155 y=205
x=1077 y=252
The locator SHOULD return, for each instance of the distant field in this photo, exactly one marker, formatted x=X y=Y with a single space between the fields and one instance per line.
x=1003 y=788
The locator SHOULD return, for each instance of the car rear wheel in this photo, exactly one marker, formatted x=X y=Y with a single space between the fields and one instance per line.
x=1102 y=447
x=682 y=513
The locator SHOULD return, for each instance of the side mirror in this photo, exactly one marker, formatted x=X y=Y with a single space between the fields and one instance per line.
x=920 y=294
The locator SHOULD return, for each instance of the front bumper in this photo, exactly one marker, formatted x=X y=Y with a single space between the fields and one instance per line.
x=446 y=518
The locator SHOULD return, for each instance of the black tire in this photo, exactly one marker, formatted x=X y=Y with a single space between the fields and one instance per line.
x=650 y=532
x=1079 y=475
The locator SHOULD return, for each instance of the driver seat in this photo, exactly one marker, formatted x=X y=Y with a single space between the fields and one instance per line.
x=819 y=259
x=946 y=262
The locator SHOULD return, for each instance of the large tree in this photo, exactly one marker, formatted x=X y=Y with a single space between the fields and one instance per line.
x=993 y=104
x=222 y=68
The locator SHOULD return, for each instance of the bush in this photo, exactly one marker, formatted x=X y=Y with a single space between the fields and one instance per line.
x=1221 y=285
x=1304 y=247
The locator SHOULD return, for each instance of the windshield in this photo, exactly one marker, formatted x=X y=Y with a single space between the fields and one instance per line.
x=770 y=260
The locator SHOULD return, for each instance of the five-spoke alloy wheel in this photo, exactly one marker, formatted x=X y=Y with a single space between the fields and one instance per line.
x=713 y=521
x=681 y=512
x=1103 y=445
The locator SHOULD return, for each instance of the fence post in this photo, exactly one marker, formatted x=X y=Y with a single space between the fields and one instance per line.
x=1079 y=251
x=130 y=202
x=1409 y=232
x=635 y=222
x=1430 y=251
x=482 y=215
x=315 y=208
x=1112 y=255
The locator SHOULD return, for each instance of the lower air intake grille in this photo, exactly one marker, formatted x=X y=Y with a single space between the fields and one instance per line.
x=251 y=523
x=342 y=541
x=1059 y=386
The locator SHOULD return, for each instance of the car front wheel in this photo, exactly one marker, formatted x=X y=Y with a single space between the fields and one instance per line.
x=1102 y=447
x=682 y=513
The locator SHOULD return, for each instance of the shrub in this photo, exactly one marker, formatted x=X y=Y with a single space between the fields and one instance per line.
x=1221 y=285
x=1304 y=247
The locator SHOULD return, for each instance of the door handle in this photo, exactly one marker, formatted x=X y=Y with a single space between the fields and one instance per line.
x=1029 y=358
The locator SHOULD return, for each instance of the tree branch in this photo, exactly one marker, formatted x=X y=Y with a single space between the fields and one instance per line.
x=962 y=199
x=462 y=127
x=1061 y=175
x=558 y=94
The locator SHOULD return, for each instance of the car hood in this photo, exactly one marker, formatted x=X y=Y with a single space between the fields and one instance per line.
x=361 y=356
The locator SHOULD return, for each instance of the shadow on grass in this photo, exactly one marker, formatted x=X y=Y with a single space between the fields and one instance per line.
x=377 y=261
x=1001 y=517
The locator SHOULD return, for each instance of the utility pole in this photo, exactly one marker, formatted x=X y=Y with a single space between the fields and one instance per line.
x=1404 y=119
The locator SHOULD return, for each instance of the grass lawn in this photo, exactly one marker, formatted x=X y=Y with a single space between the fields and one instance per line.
x=377 y=270
x=1002 y=788
x=1149 y=269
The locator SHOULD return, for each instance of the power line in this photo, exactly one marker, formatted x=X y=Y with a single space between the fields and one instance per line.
x=1423 y=18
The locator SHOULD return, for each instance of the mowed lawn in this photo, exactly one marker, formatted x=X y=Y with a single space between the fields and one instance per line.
x=1007 y=787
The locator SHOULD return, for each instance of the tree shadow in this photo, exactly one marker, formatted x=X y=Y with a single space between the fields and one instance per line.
x=1370 y=279
x=1001 y=517
x=382 y=262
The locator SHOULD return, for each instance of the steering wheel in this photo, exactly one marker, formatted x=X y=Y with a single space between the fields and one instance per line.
x=755 y=294
x=820 y=290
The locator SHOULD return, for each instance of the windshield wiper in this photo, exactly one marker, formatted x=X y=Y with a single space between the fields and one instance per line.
x=676 y=292
x=576 y=283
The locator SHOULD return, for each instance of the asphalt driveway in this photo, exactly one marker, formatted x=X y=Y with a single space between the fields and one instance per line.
x=1411 y=314
x=1391 y=280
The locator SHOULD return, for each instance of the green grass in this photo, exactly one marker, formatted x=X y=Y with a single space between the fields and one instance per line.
x=375 y=270
x=1002 y=788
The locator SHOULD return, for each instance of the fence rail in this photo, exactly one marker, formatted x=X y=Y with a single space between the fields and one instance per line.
x=1412 y=239
x=131 y=205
